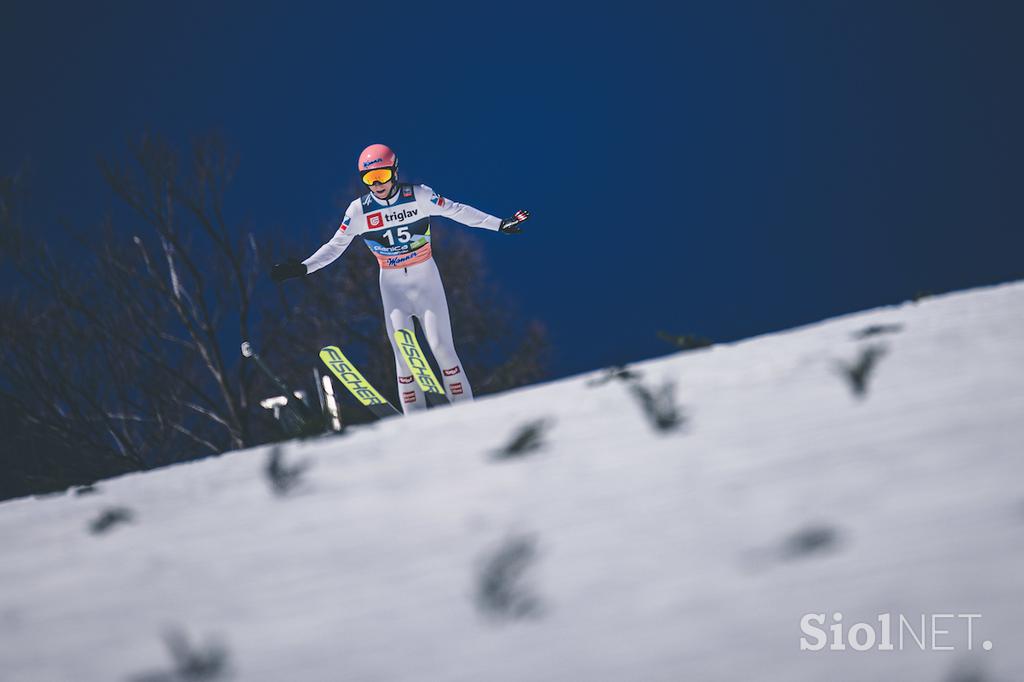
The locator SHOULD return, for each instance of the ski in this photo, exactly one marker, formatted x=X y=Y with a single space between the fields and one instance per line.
x=432 y=389
x=358 y=386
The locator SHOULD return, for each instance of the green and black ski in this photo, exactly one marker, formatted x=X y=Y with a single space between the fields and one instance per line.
x=358 y=386
x=432 y=389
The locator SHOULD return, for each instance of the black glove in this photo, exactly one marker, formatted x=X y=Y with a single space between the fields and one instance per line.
x=288 y=269
x=511 y=225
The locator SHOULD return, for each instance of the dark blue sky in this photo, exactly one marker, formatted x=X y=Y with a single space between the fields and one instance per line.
x=722 y=168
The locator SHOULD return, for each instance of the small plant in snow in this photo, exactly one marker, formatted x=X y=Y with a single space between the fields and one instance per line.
x=109 y=518
x=858 y=372
x=283 y=478
x=527 y=439
x=968 y=672
x=620 y=372
x=810 y=540
x=502 y=590
x=190 y=664
x=659 y=405
x=877 y=329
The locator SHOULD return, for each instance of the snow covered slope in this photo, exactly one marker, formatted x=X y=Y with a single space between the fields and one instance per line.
x=556 y=533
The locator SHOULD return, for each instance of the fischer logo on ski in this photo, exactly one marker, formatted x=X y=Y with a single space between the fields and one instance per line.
x=417 y=362
x=351 y=379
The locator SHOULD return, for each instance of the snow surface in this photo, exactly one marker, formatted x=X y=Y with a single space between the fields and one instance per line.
x=413 y=550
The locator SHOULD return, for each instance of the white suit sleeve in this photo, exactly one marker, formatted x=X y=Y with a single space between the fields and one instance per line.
x=460 y=213
x=330 y=251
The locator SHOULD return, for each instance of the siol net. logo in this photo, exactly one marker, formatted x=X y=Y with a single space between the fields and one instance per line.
x=893 y=632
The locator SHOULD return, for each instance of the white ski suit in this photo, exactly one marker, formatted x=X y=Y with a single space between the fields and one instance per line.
x=397 y=231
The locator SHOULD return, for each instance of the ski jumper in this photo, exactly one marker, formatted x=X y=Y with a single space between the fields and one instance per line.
x=397 y=231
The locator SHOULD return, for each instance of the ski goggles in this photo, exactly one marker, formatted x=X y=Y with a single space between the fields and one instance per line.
x=381 y=175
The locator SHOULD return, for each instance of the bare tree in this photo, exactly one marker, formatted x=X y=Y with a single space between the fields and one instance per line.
x=118 y=353
x=121 y=352
x=200 y=269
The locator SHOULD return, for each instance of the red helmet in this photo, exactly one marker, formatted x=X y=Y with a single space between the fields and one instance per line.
x=377 y=156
